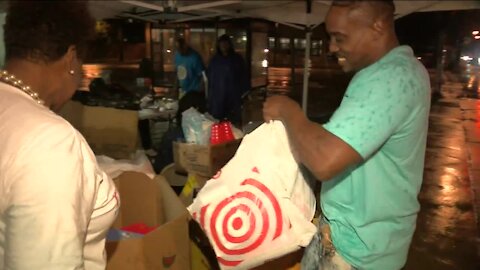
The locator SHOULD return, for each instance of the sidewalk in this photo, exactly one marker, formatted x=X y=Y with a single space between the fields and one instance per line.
x=447 y=235
x=471 y=124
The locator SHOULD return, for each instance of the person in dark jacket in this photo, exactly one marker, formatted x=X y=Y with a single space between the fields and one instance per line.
x=227 y=82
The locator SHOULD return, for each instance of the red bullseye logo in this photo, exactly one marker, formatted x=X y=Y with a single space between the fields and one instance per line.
x=243 y=222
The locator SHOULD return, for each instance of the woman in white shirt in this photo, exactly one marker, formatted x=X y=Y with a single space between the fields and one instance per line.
x=56 y=205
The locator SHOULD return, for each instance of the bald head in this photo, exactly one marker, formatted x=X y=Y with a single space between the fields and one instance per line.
x=361 y=32
x=369 y=11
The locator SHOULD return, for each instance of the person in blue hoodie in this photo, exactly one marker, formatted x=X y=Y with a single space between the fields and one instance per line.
x=227 y=82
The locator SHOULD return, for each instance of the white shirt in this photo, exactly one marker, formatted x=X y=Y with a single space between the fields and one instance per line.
x=56 y=205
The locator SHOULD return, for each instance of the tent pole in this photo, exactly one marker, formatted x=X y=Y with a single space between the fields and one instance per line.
x=306 y=69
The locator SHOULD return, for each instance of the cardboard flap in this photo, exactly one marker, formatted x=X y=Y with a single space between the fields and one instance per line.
x=125 y=255
x=140 y=200
x=174 y=208
x=154 y=203
x=108 y=131
x=169 y=247
x=159 y=254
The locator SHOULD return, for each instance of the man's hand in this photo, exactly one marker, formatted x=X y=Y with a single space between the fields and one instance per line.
x=323 y=153
x=277 y=107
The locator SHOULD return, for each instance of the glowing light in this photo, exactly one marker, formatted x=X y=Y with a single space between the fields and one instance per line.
x=264 y=63
x=466 y=58
x=266 y=50
x=477 y=37
x=476 y=32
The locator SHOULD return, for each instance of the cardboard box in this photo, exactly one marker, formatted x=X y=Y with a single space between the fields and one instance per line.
x=154 y=203
x=203 y=160
x=108 y=131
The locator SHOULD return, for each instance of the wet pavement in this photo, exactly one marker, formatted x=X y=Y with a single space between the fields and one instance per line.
x=326 y=88
x=447 y=235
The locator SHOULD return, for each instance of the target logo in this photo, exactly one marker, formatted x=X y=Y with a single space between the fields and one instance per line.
x=243 y=222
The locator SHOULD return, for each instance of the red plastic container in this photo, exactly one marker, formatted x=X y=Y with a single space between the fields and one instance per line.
x=215 y=134
x=221 y=133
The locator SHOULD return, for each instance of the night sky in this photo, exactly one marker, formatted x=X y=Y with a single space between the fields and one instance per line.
x=421 y=30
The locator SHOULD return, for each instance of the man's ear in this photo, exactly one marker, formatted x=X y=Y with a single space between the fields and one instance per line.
x=379 y=27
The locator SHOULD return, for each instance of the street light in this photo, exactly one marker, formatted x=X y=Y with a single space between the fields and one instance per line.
x=265 y=63
x=476 y=32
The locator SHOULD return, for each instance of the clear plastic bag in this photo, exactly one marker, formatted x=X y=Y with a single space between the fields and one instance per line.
x=196 y=126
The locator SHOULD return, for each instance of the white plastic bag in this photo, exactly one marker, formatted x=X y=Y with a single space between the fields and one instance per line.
x=258 y=207
x=115 y=167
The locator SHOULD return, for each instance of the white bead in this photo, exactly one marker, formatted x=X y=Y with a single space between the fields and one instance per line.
x=10 y=79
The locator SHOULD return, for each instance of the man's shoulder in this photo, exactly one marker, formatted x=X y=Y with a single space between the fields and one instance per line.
x=401 y=59
x=398 y=64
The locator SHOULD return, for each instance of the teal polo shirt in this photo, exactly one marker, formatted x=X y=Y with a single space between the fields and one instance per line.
x=372 y=207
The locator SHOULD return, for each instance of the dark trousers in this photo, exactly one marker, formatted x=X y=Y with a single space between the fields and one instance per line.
x=144 y=131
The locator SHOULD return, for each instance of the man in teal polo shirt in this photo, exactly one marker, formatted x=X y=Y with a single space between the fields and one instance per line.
x=370 y=155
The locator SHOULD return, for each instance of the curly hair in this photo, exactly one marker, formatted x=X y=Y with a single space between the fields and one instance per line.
x=42 y=31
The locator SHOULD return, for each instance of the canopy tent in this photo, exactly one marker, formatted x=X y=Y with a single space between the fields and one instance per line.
x=301 y=14
x=298 y=14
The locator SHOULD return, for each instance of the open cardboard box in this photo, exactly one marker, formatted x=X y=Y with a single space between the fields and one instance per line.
x=108 y=131
x=203 y=160
x=154 y=203
x=173 y=244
